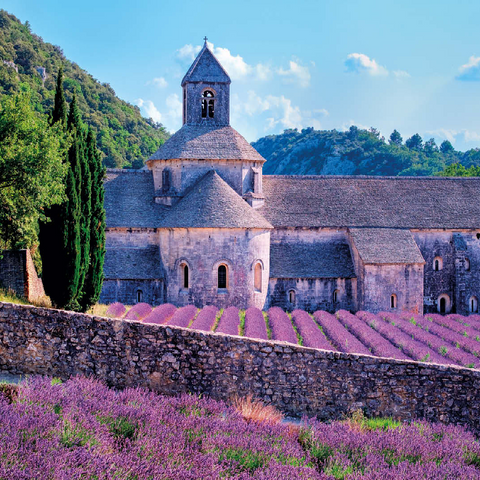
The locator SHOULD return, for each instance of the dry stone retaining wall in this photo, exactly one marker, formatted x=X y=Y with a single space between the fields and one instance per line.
x=169 y=360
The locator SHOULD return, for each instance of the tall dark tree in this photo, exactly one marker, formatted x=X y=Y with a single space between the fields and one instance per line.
x=415 y=142
x=59 y=113
x=94 y=278
x=395 y=138
x=446 y=147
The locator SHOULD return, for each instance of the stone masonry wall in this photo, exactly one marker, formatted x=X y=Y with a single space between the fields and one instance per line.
x=17 y=272
x=295 y=379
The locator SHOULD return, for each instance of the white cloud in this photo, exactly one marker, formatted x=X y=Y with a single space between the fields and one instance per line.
x=159 y=82
x=149 y=110
x=263 y=72
x=359 y=62
x=296 y=73
x=346 y=126
x=188 y=52
x=471 y=70
x=401 y=74
x=455 y=135
x=281 y=112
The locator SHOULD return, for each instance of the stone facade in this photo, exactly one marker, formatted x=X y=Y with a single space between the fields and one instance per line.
x=17 y=273
x=323 y=242
x=295 y=379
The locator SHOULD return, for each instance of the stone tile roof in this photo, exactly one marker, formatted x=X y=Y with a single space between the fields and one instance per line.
x=386 y=245
x=359 y=201
x=206 y=68
x=129 y=199
x=133 y=263
x=207 y=142
x=328 y=259
x=211 y=202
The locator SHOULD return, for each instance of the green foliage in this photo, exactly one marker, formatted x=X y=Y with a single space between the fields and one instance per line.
x=357 y=152
x=123 y=135
x=31 y=170
x=458 y=170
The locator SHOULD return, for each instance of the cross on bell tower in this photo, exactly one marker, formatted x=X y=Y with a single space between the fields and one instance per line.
x=206 y=91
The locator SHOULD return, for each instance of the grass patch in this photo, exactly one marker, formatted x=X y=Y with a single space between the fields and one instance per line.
x=9 y=296
x=76 y=436
x=241 y=326
x=299 y=337
x=120 y=427
x=217 y=320
x=267 y=324
x=358 y=420
x=247 y=459
x=255 y=411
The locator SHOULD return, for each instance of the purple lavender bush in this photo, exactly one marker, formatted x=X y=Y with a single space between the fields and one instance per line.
x=457 y=339
x=183 y=316
x=161 y=314
x=369 y=337
x=116 y=310
x=281 y=326
x=205 y=319
x=311 y=335
x=83 y=430
x=255 y=326
x=138 y=312
x=229 y=322
x=414 y=349
x=338 y=335
x=414 y=328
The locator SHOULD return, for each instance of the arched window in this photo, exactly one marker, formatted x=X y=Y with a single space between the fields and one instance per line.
x=166 y=179
x=467 y=264
x=443 y=303
x=473 y=304
x=185 y=276
x=257 y=281
x=437 y=263
x=222 y=276
x=139 y=296
x=208 y=104
x=393 y=301
x=291 y=296
x=335 y=296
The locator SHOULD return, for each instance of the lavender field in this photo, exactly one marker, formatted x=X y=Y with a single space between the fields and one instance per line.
x=82 y=430
x=446 y=340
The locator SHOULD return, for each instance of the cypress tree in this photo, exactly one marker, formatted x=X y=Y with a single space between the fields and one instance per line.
x=94 y=278
x=59 y=113
x=51 y=230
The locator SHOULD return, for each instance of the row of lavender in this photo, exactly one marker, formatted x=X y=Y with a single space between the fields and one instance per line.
x=452 y=339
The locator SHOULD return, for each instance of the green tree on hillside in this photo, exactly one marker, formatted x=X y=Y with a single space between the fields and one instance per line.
x=31 y=170
x=395 y=138
x=415 y=142
x=458 y=170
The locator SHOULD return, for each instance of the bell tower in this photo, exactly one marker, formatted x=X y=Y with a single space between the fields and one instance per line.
x=206 y=91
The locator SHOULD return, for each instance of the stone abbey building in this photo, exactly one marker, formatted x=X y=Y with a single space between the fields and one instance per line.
x=201 y=225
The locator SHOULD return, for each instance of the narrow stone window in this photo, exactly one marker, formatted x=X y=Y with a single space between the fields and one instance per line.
x=335 y=296
x=437 y=264
x=185 y=276
x=258 y=277
x=473 y=305
x=222 y=276
x=166 y=179
x=139 y=296
x=443 y=303
x=291 y=296
x=467 y=264
x=184 y=105
x=393 y=301
x=208 y=104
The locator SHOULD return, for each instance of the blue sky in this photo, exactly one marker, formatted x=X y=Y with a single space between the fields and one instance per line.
x=409 y=65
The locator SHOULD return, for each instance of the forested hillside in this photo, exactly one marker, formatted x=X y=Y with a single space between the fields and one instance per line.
x=357 y=152
x=29 y=63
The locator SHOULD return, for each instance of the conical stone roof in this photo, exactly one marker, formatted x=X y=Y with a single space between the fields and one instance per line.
x=208 y=143
x=212 y=203
x=206 y=68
